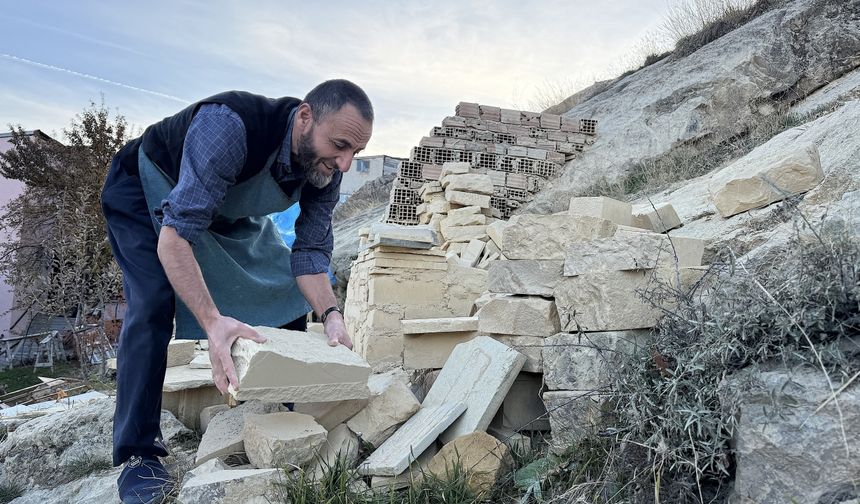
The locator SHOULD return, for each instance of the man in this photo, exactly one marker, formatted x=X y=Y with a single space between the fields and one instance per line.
x=186 y=206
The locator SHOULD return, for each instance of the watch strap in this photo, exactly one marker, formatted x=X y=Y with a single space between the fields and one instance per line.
x=326 y=313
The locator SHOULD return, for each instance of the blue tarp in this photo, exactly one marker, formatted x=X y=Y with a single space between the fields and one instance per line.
x=286 y=223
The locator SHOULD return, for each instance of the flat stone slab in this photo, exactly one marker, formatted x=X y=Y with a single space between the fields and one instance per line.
x=422 y=234
x=233 y=486
x=478 y=374
x=200 y=361
x=184 y=377
x=295 y=366
x=282 y=439
x=472 y=182
x=411 y=439
x=439 y=325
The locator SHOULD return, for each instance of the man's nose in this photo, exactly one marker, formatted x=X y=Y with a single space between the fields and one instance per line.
x=344 y=162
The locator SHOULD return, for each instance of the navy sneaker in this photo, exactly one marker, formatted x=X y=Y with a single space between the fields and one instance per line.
x=144 y=480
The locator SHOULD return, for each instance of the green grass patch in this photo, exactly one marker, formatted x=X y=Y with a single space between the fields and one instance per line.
x=9 y=491
x=23 y=377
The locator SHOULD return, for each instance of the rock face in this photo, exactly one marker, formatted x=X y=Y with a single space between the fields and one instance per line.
x=44 y=451
x=782 y=54
x=283 y=439
x=296 y=366
x=765 y=176
x=482 y=458
x=785 y=453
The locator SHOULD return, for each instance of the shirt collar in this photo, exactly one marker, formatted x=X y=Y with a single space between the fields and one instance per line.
x=284 y=156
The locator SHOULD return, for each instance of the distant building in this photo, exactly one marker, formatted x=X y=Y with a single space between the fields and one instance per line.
x=363 y=170
x=12 y=321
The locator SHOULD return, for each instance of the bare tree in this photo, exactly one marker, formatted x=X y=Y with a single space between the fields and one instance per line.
x=59 y=259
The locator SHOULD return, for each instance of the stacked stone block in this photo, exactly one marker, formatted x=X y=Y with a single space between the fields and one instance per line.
x=520 y=151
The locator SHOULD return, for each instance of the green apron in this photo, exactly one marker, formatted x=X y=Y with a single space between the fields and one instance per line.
x=244 y=260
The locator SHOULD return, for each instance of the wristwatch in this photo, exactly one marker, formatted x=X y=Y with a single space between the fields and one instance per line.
x=327 y=312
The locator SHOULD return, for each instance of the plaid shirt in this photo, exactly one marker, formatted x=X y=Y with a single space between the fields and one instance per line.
x=212 y=157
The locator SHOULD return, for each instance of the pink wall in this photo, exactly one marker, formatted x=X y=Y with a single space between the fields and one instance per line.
x=8 y=189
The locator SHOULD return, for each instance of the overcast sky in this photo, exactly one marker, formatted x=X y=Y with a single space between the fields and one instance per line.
x=415 y=59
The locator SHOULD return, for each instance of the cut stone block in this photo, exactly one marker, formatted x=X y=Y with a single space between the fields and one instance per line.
x=496 y=230
x=486 y=297
x=523 y=409
x=459 y=213
x=548 y=236
x=483 y=458
x=180 y=352
x=473 y=252
x=455 y=169
x=765 y=176
x=478 y=183
x=411 y=439
x=610 y=300
x=463 y=287
x=467 y=199
x=209 y=412
x=479 y=374
x=464 y=233
x=659 y=218
x=439 y=325
x=421 y=234
x=397 y=263
x=583 y=362
x=183 y=377
x=223 y=436
x=399 y=289
x=574 y=415
x=519 y=316
x=529 y=346
x=633 y=251
x=200 y=361
x=391 y=403
x=616 y=211
x=341 y=444
x=474 y=219
x=187 y=404
x=295 y=366
x=234 y=486
x=526 y=277
x=333 y=413
x=431 y=351
x=282 y=439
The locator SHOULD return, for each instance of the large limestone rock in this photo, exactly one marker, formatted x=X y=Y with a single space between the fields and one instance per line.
x=526 y=277
x=482 y=458
x=223 y=435
x=391 y=403
x=519 y=316
x=237 y=486
x=282 y=439
x=44 y=451
x=765 y=176
x=584 y=361
x=785 y=450
x=547 y=236
x=296 y=366
x=716 y=91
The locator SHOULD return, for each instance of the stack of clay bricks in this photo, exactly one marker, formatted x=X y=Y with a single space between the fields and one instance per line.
x=518 y=150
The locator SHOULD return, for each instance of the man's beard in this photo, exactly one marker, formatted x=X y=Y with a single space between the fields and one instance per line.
x=308 y=159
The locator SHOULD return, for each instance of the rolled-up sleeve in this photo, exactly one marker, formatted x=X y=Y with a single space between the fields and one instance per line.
x=314 y=237
x=212 y=156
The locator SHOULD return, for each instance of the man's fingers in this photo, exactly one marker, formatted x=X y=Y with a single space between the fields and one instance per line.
x=218 y=376
x=345 y=341
x=252 y=335
x=332 y=340
x=230 y=371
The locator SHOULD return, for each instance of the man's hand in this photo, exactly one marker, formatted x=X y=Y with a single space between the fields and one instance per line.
x=335 y=331
x=223 y=332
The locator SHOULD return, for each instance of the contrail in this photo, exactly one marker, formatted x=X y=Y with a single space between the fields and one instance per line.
x=93 y=77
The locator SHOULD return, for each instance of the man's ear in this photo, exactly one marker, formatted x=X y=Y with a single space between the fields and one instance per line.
x=305 y=115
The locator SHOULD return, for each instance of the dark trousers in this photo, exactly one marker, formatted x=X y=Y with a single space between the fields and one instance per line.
x=148 y=323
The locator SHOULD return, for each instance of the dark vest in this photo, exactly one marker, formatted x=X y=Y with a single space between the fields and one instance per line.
x=266 y=121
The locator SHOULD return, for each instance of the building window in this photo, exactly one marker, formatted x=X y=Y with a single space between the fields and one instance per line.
x=362 y=165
